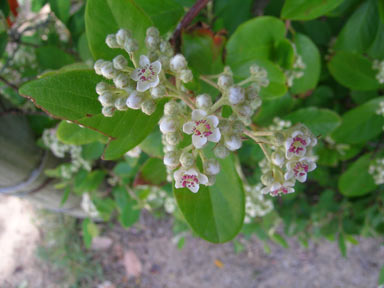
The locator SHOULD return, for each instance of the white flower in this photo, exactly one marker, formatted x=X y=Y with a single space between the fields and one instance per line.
x=203 y=127
x=178 y=63
x=296 y=144
x=299 y=169
x=279 y=189
x=167 y=125
x=88 y=206
x=278 y=159
x=233 y=142
x=236 y=95
x=190 y=179
x=147 y=75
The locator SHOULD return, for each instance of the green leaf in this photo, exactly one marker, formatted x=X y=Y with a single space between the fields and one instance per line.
x=342 y=245
x=311 y=57
x=254 y=40
x=381 y=10
x=353 y=71
x=52 y=57
x=215 y=213
x=272 y=108
x=319 y=121
x=284 y=54
x=128 y=213
x=359 y=32
x=71 y=95
x=3 y=42
x=360 y=124
x=277 y=238
x=4 y=7
x=92 y=151
x=105 y=17
x=356 y=181
x=88 y=182
x=153 y=172
x=70 y=133
x=61 y=9
x=152 y=145
x=276 y=77
x=307 y=9
x=90 y=230
x=381 y=274
x=376 y=50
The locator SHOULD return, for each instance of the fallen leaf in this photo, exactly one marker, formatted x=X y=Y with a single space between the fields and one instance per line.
x=132 y=264
x=101 y=243
x=219 y=264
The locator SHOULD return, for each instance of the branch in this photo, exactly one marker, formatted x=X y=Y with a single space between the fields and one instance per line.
x=191 y=14
x=6 y=82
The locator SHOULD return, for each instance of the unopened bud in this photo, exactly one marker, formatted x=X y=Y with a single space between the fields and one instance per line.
x=101 y=87
x=158 y=92
x=186 y=75
x=167 y=125
x=224 y=81
x=148 y=106
x=233 y=142
x=203 y=101
x=236 y=95
x=173 y=138
x=171 y=159
x=108 y=111
x=267 y=178
x=121 y=81
x=221 y=151
x=98 y=65
x=107 y=70
x=122 y=36
x=187 y=159
x=111 y=41
x=171 y=108
x=130 y=45
x=211 y=167
x=178 y=63
x=121 y=104
x=211 y=180
x=120 y=62
x=245 y=110
x=106 y=98
x=278 y=159
x=134 y=100
x=153 y=31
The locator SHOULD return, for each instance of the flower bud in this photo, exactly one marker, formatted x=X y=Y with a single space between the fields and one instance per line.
x=171 y=159
x=233 y=142
x=107 y=70
x=106 y=98
x=178 y=63
x=267 y=178
x=173 y=138
x=120 y=62
x=152 y=43
x=134 y=100
x=153 y=31
x=121 y=104
x=211 y=180
x=158 y=92
x=171 y=108
x=238 y=127
x=111 y=41
x=166 y=48
x=236 y=95
x=203 y=101
x=256 y=103
x=148 y=106
x=101 y=87
x=122 y=36
x=225 y=81
x=131 y=45
x=121 y=81
x=278 y=159
x=98 y=65
x=186 y=75
x=167 y=125
x=108 y=111
x=211 y=167
x=221 y=151
x=187 y=159
x=245 y=110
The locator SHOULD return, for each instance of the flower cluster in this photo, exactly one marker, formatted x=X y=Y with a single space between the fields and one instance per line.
x=256 y=205
x=292 y=158
x=297 y=70
x=89 y=207
x=379 y=65
x=159 y=198
x=60 y=149
x=376 y=169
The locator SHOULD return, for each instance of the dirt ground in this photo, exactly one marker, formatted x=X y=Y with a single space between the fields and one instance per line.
x=151 y=256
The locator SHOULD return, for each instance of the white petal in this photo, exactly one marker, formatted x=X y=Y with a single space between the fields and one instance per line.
x=198 y=114
x=178 y=184
x=188 y=127
x=215 y=136
x=288 y=175
x=266 y=190
x=311 y=166
x=198 y=141
x=214 y=121
x=194 y=189
x=144 y=61
x=156 y=66
x=155 y=82
x=302 y=178
x=167 y=125
x=296 y=133
x=143 y=86
x=135 y=74
x=191 y=171
x=203 y=179
x=233 y=143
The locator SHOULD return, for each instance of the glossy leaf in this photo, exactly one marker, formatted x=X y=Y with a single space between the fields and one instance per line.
x=51 y=57
x=152 y=145
x=128 y=213
x=307 y=9
x=215 y=213
x=356 y=181
x=61 y=9
x=70 y=133
x=152 y=172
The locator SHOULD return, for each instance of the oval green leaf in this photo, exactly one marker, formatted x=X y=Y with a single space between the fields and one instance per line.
x=307 y=9
x=71 y=133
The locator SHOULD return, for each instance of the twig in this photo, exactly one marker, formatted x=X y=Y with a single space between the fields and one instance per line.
x=191 y=14
x=6 y=82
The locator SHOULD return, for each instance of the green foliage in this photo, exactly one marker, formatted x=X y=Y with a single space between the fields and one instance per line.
x=307 y=9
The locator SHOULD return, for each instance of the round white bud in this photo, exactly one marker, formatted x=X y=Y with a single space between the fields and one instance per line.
x=256 y=103
x=157 y=92
x=211 y=180
x=148 y=106
x=167 y=125
x=236 y=95
x=171 y=159
x=173 y=138
x=233 y=142
x=221 y=151
x=98 y=65
x=237 y=127
x=131 y=45
x=108 y=111
x=267 y=178
x=245 y=110
x=203 y=101
x=106 y=99
x=186 y=75
x=107 y=70
x=101 y=87
x=178 y=63
x=211 y=167
x=121 y=81
x=151 y=42
x=121 y=104
x=166 y=48
x=278 y=159
x=187 y=159
x=134 y=100
x=122 y=36
x=111 y=41
x=225 y=81
x=171 y=108
x=153 y=31
x=120 y=62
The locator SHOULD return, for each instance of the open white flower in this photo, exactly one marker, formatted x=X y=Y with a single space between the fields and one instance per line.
x=279 y=189
x=203 y=128
x=299 y=169
x=147 y=75
x=190 y=179
x=296 y=144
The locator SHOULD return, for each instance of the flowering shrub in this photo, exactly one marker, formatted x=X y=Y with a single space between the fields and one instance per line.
x=232 y=123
